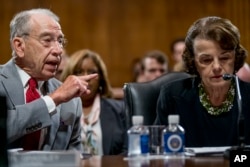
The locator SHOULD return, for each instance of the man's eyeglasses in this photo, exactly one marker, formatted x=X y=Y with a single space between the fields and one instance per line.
x=48 y=40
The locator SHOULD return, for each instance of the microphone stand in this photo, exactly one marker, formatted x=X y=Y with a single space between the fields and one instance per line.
x=241 y=121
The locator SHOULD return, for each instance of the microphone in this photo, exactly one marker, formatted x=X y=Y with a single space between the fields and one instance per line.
x=227 y=76
x=241 y=119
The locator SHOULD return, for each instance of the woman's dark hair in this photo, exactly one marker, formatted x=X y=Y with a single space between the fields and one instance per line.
x=217 y=29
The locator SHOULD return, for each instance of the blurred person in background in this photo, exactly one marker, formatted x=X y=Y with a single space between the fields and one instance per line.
x=177 y=48
x=136 y=77
x=103 y=120
x=137 y=70
x=153 y=65
x=244 y=73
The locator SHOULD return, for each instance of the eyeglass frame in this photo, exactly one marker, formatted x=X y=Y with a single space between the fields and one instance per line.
x=62 y=41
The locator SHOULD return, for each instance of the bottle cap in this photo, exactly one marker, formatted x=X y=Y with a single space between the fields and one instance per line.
x=173 y=119
x=137 y=119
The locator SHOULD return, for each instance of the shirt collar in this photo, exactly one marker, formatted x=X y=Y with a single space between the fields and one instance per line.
x=25 y=77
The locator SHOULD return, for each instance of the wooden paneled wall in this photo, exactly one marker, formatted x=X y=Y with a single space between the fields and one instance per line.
x=122 y=30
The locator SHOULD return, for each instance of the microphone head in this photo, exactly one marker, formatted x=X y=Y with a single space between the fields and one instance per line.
x=227 y=76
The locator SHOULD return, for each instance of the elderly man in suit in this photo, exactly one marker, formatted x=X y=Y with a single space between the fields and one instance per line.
x=43 y=113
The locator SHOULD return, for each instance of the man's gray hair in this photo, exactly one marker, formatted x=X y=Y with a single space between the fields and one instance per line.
x=20 y=22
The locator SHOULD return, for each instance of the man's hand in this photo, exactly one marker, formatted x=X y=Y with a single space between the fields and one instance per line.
x=73 y=86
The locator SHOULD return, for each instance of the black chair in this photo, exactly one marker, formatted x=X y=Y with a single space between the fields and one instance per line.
x=141 y=98
x=3 y=132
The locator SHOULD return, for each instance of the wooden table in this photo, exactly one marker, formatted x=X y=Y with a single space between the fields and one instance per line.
x=118 y=161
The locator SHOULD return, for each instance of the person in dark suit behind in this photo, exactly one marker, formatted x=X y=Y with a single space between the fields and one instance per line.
x=103 y=120
x=37 y=43
x=206 y=103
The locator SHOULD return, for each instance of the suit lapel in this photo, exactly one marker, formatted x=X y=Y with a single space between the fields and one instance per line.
x=12 y=83
x=107 y=134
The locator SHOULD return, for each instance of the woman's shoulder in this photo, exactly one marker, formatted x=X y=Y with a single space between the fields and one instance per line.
x=113 y=102
x=113 y=106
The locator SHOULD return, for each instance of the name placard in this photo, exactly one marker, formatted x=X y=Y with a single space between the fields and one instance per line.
x=44 y=158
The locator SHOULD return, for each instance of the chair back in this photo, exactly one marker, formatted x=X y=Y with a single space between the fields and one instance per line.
x=141 y=98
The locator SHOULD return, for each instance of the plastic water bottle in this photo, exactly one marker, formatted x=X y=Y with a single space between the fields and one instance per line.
x=144 y=140
x=138 y=137
x=174 y=137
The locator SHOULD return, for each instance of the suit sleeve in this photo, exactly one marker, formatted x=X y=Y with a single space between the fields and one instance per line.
x=75 y=141
x=27 y=118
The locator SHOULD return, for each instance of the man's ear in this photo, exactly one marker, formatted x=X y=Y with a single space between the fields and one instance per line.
x=18 y=45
